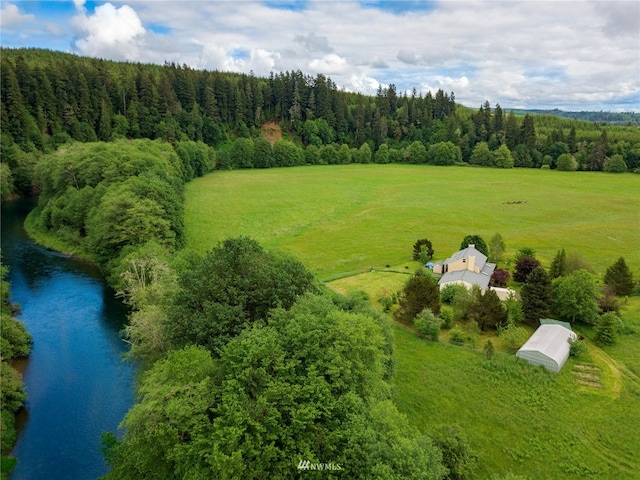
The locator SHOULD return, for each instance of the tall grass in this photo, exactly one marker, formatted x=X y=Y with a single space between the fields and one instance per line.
x=519 y=418
x=346 y=218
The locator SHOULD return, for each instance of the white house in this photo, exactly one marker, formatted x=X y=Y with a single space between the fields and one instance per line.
x=548 y=346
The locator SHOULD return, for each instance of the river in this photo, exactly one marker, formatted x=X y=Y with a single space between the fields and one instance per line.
x=77 y=382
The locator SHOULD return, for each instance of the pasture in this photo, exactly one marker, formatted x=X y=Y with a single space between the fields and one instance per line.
x=356 y=224
x=340 y=219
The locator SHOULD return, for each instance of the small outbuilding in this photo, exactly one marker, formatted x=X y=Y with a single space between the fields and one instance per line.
x=548 y=346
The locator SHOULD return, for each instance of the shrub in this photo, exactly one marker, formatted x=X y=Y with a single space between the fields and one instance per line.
x=615 y=164
x=447 y=318
x=608 y=302
x=457 y=336
x=428 y=325
x=578 y=348
x=448 y=293
x=566 y=163
x=386 y=303
x=606 y=330
x=514 y=310
x=488 y=349
x=457 y=455
x=514 y=337
x=500 y=278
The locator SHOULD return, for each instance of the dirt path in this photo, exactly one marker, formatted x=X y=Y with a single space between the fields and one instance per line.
x=613 y=374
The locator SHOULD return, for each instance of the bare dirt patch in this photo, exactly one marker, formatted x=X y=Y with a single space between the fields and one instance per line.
x=586 y=375
x=586 y=367
x=590 y=384
x=271 y=132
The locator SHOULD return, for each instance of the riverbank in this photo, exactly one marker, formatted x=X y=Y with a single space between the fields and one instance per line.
x=53 y=241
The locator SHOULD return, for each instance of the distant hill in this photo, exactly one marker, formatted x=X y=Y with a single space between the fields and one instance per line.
x=611 y=118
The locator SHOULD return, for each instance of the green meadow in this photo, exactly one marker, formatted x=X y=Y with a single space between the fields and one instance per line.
x=340 y=219
x=355 y=226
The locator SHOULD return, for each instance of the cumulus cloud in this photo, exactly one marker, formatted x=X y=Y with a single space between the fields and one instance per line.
x=79 y=4
x=329 y=64
x=538 y=54
x=362 y=83
x=314 y=43
x=10 y=15
x=110 y=32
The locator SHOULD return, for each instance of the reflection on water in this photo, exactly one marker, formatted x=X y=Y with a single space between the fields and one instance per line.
x=77 y=382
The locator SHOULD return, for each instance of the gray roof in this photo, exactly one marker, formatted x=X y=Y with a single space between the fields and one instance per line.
x=481 y=279
x=481 y=258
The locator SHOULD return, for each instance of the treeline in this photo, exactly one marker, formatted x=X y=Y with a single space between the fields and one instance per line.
x=107 y=199
x=15 y=342
x=51 y=98
x=47 y=93
x=611 y=118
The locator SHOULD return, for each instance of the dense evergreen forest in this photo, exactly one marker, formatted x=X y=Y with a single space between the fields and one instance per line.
x=51 y=98
x=611 y=118
x=250 y=366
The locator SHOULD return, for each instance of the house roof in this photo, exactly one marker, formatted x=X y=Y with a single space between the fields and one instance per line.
x=481 y=279
x=481 y=258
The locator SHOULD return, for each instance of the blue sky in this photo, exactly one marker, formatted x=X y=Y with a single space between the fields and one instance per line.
x=571 y=55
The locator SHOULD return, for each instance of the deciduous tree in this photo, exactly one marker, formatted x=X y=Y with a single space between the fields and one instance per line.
x=575 y=297
x=234 y=285
x=524 y=267
x=477 y=241
x=481 y=155
x=502 y=157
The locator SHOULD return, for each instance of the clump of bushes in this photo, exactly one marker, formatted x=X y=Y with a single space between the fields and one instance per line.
x=428 y=325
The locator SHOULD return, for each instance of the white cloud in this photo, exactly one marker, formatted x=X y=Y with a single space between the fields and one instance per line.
x=535 y=53
x=110 y=32
x=362 y=83
x=10 y=15
x=329 y=64
x=79 y=4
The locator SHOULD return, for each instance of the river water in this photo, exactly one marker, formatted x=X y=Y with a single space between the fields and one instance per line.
x=77 y=382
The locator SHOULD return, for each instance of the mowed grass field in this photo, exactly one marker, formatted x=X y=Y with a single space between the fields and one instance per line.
x=338 y=219
x=518 y=418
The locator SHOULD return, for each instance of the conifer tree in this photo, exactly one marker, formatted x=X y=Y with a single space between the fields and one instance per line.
x=558 y=265
x=620 y=278
x=536 y=296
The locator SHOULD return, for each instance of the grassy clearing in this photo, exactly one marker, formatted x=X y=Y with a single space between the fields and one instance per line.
x=347 y=223
x=353 y=217
x=520 y=418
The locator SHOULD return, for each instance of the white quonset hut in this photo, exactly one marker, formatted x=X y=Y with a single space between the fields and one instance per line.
x=548 y=346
